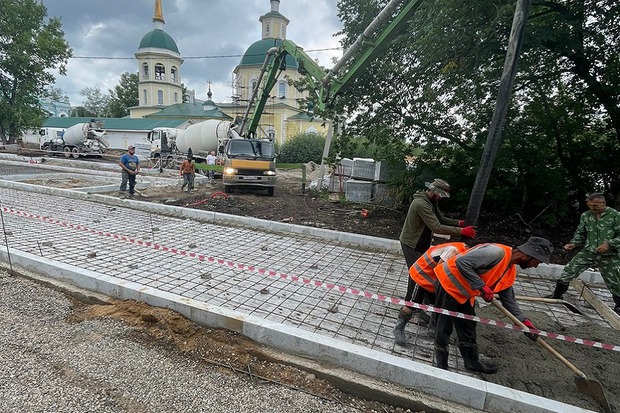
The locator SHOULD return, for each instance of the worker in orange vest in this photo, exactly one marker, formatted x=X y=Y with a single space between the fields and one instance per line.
x=484 y=270
x=423 y=274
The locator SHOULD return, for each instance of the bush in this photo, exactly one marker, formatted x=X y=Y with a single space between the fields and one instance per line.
x=302 y=148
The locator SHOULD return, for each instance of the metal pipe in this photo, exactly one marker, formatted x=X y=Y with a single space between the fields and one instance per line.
x=385 y=14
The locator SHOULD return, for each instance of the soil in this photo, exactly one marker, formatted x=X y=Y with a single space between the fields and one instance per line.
x=227 y=350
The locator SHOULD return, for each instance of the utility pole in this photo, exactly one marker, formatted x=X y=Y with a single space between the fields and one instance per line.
x=494 y=137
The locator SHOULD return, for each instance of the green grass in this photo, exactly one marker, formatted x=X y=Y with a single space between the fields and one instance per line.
x=205 y=167
x=288 y=165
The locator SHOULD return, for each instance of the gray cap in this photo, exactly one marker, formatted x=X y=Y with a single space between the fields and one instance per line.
x=537 y=247
x=439 y=187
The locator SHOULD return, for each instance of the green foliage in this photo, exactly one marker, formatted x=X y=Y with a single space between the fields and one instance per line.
x=30 y=48
x=96 y=103
x=302 y=148
x=436 y=89
x=124 y=95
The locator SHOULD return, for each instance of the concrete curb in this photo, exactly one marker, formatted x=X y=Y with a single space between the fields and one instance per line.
x=470 y=392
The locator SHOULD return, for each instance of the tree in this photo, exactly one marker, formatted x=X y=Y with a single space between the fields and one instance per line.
x=29 y=49
x=437 y=86
x=56 y=94
x=95 y=102
x=124 y=95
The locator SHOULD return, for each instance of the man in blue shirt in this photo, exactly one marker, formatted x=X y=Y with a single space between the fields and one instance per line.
x=130 y=165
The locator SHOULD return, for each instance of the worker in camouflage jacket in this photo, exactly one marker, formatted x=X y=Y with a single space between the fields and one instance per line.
x=599 y=235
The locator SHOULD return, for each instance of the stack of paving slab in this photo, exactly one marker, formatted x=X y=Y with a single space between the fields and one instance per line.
x=362 y=180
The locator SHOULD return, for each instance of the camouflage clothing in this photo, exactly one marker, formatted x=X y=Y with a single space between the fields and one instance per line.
x=590 y=234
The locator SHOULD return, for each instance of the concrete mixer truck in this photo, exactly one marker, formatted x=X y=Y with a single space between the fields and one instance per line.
x=82 y=139
x=247 y=162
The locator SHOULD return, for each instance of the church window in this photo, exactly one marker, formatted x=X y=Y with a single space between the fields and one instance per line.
x=160 y=72
x=145 y=70
x=267 y=30
x=282 y=89
x=144 y=96
x=160 y=97
x=312 y=131
x=173 y=74
x=253 y=84
x=271 y=133
x=283 y=32
x=176 y=97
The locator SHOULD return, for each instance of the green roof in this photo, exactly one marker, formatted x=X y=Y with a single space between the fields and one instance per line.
x=255 y=55
x=189 y=111
x=115 y=123
x=159 y=39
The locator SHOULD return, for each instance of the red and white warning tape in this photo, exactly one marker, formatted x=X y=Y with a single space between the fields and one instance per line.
x=315 y=283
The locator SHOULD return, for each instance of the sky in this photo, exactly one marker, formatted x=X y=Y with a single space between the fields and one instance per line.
x=105 y=34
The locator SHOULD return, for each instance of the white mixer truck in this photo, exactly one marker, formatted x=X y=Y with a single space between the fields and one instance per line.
x=247 y=162
x=82 y=139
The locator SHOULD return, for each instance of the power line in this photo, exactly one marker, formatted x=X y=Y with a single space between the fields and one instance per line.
x=195 y=57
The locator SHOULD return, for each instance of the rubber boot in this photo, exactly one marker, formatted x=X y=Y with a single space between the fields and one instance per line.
x=441 y=357
x=617 y=301
x=472 y=360
x=404 y=315
x=560 y=289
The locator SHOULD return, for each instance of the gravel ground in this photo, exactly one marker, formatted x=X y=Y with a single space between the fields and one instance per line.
x=50 y=364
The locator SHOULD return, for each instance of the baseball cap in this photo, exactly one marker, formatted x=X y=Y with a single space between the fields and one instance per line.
x=439 y=187
x=131 y=147
x=537 y=247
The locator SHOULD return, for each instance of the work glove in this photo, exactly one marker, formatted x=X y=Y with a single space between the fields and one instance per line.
x=487 y=294
x=469 y=232
x=462 y=223
x=529 y=325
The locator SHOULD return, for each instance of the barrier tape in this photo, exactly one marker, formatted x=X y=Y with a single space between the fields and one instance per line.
x=321 y=284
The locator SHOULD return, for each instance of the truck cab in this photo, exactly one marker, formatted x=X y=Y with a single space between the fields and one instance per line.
x=249 y=163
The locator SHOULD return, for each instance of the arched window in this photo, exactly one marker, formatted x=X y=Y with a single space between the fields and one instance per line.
x=283 y=32
x=282 y=89
x=176 y=97
x=253 y=84
x=160 y=97
x=145 y=70
x=144 y=96
x=312 y=131
x=160 y=72
x=271 y=133
x=173 y=74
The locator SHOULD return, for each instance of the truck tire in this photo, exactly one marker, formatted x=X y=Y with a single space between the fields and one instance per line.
x=270 y=191
x=67 y=151
x=75 y=152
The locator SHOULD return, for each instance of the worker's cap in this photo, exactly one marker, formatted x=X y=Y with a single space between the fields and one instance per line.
x=537 y=247
x=439 y=187
x=131 y=147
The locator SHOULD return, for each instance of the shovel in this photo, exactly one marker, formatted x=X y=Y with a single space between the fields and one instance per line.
x=585 y=385
x=571 y=307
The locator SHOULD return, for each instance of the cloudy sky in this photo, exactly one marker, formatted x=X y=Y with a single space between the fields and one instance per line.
x=104 y=36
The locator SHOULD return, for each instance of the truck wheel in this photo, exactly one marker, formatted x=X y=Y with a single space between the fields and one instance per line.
x=270 y=191
x=75 y=153
x=67 y=151
x=228 y=189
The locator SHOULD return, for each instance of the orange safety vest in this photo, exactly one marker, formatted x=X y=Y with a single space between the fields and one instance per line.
x=498 y=278
x=422 y=271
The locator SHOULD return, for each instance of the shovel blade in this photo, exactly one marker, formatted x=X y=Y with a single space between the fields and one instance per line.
x=593 y=389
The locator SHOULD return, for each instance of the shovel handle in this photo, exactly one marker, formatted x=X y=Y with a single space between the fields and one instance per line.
x=539 y=340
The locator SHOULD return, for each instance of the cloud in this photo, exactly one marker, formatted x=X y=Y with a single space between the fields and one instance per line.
x=211 y=35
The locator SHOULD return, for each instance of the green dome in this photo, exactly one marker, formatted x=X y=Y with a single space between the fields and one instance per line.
x=158 y=39
x=255 y=55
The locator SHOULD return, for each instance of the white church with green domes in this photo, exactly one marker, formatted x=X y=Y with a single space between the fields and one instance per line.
x=160 y=83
